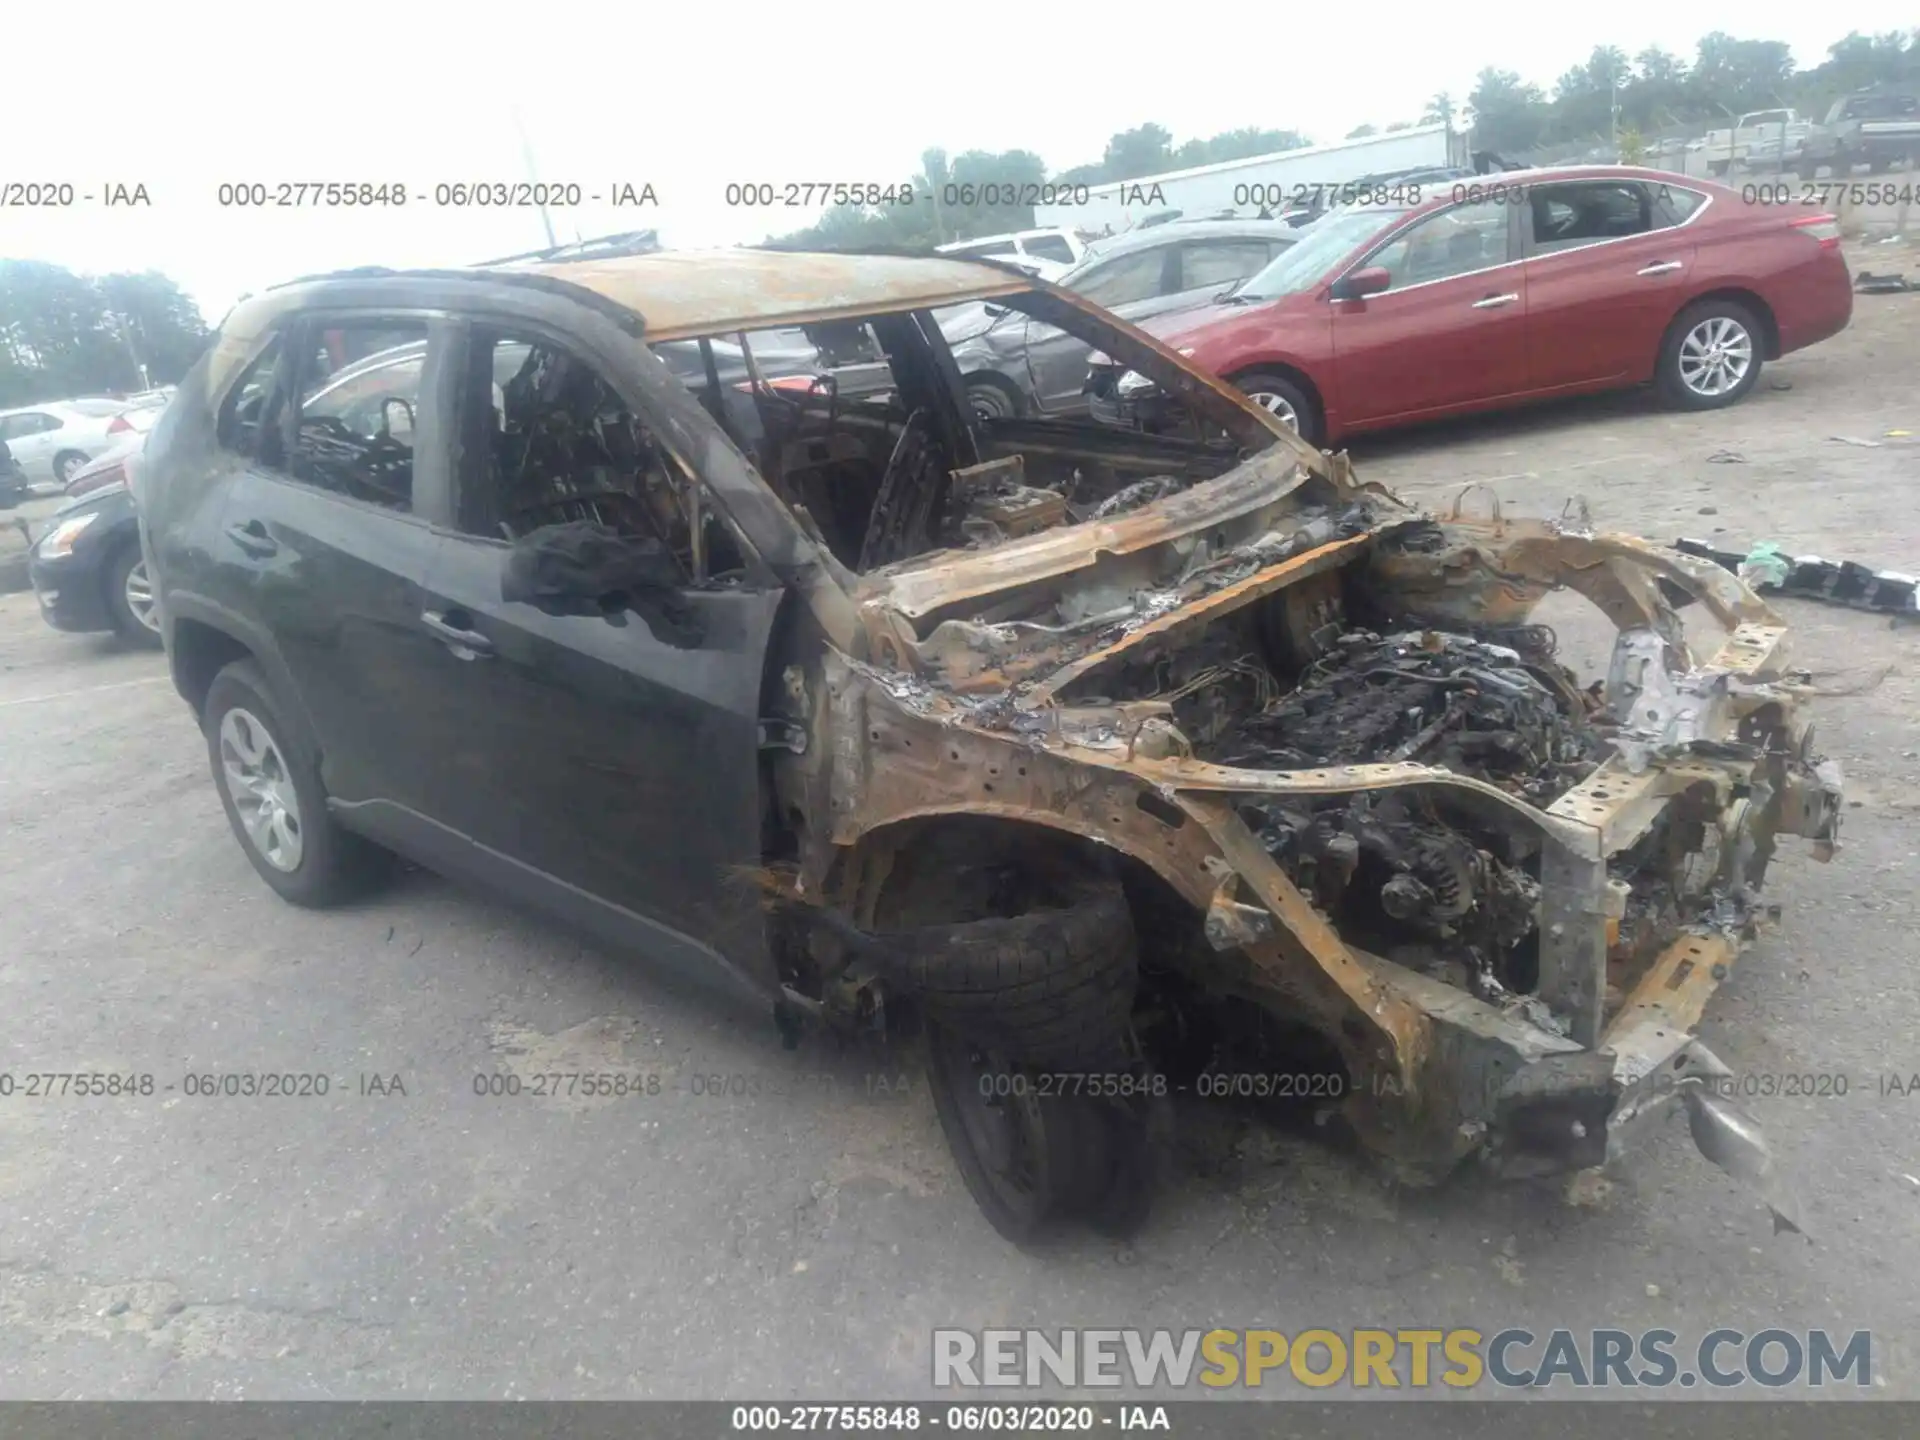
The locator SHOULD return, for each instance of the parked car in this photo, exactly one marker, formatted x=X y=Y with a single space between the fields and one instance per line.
x=51 y=441
x=1159 y=759
x=1015 y=365
x=87 y=568
x=1538 y=284
x=1048 y=253
x=1879 y=129
x=1758 y=140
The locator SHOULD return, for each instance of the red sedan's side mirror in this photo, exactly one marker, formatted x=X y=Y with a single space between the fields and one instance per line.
x=1358 y=284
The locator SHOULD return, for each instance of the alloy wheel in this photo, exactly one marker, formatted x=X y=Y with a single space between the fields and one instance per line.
x=261 y=788
x=1715 y=356
x=140 y=603
x=1276 y=405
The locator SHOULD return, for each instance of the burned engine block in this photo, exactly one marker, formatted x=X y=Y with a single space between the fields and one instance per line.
x=1477 y=708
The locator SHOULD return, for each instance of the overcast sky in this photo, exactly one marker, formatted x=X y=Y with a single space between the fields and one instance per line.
x=690 y=96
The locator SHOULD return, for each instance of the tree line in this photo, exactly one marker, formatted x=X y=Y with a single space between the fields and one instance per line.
x=1655 y=90
x=63 y=334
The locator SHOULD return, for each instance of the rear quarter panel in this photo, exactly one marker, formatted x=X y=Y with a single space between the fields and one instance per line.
x=1755 y=247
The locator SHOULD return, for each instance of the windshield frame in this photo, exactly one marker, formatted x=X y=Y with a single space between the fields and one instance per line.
x=1317 y=257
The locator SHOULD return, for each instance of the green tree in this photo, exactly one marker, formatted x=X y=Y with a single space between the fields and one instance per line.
x=1360 y=132
x=1508 y=113
x=64 y=334
x=1737 y=75
x=1144 y=150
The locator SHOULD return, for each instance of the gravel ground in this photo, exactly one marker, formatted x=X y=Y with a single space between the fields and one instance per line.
x=803 y=1240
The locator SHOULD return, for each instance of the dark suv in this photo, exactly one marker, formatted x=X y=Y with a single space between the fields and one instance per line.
x=1117 y=763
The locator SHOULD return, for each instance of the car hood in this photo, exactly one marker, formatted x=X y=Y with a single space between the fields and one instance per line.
x=1185 y=328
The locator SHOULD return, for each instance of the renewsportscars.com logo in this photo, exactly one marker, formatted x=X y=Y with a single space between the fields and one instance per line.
x=1363 y=1359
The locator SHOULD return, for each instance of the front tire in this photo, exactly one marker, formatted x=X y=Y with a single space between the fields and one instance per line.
x=1711 y=356
x=1032 y=1156
x=992 y=399
x=130 y=599
x=269 y=783
x=1283 y=399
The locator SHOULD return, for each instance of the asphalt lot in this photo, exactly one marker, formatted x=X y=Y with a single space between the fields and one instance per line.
x=803 y=1240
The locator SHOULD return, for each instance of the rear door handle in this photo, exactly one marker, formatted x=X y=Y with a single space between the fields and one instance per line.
x=252 y=537
x=451 y=627
x=1494 y=302
x=1665 y=267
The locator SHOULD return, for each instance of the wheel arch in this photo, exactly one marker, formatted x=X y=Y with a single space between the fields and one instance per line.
x=875 y=876
x=203 y=638
x=1286 y=370
x=999 y=382
x=1740 y=295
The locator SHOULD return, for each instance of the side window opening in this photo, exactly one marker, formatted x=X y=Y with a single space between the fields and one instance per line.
x=1049 y=247
x=358 y=409
x=248 y=420
x=1566 y=217
x=1220 y=262
x=1455 y=241
x=1126 y=279
x=550 y=442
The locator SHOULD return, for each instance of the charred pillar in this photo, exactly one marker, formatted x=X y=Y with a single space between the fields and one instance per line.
x=1573 y=938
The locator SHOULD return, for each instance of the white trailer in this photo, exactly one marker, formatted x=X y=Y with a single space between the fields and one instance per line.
x=1272 y=182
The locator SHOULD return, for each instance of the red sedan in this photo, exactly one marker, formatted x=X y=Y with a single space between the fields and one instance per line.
x=1520 y=287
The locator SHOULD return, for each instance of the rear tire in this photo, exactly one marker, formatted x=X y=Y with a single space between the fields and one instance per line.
x=125 y=578
x=66 y=464
x=268 y=777
x=1711 y=356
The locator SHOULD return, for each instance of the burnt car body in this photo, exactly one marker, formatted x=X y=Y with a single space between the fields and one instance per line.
x=1092 y=753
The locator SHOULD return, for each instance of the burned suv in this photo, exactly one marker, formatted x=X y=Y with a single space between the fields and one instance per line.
x=1108 y=764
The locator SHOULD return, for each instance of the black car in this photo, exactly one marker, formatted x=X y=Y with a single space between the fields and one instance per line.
x=86 y=566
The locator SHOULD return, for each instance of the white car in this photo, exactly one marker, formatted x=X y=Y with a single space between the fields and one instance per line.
x=52 y=441
x=1046 y=253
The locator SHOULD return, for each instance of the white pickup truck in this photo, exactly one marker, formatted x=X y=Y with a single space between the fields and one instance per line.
x=1759 y=139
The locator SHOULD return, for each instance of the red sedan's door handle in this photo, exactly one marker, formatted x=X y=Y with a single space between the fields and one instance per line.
x=1494 y=302
x=1665 y=267
x=467 y=644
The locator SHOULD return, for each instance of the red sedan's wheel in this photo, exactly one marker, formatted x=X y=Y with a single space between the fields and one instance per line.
x=1283 y=399
x=1711 y=355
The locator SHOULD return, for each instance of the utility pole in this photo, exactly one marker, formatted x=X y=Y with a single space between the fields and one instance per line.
x=1613 y=110
x=533 y=176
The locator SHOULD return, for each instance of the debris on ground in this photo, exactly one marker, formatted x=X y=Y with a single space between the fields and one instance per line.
x=1764 y=566
x=1867 y=283
x=1863 y=443
x=1780 y=382
x=1726 y=457
x=1808 y=577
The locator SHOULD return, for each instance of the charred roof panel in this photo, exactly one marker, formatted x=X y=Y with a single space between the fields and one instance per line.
x=684 y=293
